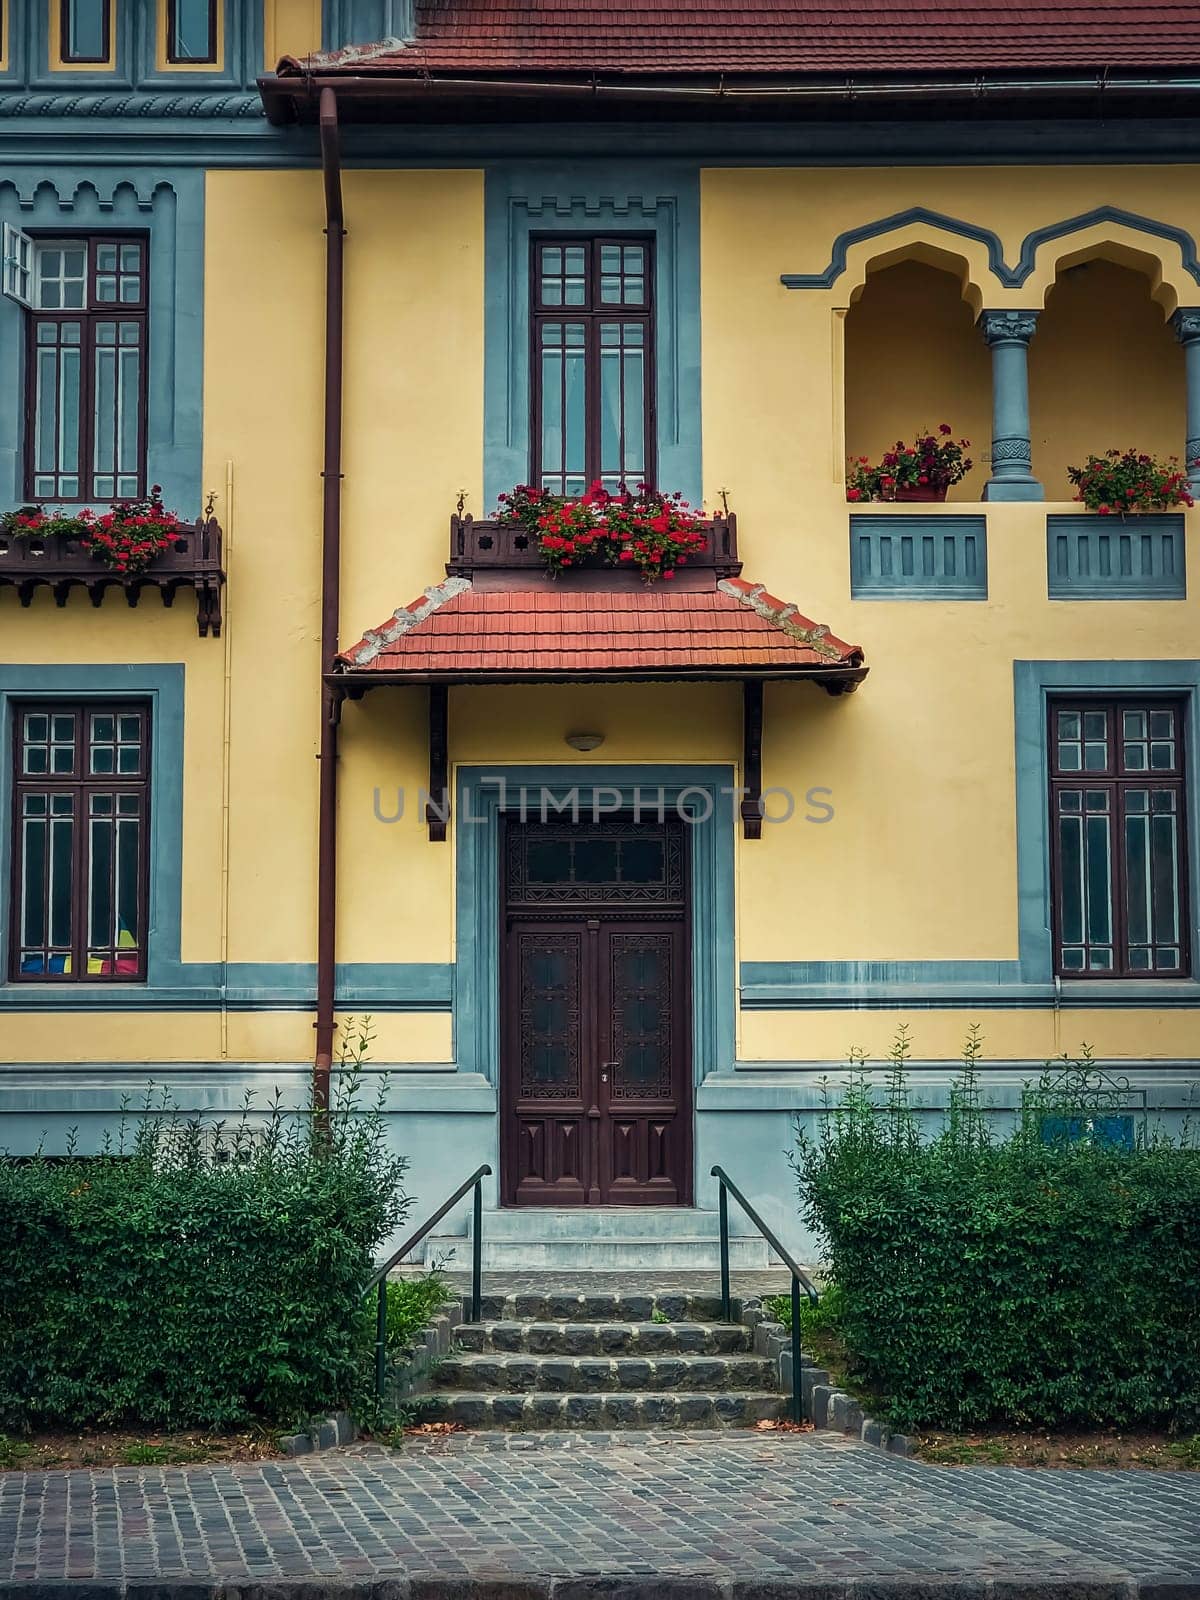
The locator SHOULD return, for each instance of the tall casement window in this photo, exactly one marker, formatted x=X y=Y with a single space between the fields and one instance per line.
x=85 y=31
x=593 y=361
x=85 y=368
x=81 y=812
x=191 y=30
x=1118 y=810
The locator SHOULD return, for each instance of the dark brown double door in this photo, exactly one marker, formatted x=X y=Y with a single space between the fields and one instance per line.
x=595 y=1042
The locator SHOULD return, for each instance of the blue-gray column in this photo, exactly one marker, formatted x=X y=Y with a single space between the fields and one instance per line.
x=1186 y=323
x=1008 y=334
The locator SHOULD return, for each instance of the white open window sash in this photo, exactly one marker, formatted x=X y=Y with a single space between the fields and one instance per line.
x=17 y=271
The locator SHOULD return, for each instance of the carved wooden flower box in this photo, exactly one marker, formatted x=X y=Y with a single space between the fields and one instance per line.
x=192 y=561
x=491 y=544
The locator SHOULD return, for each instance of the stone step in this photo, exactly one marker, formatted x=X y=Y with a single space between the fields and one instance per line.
x=676 y=1374
x=611 y=1306
x=730 y=1409
x=606 y=1338
x=583 y=1223
x=634 y=1253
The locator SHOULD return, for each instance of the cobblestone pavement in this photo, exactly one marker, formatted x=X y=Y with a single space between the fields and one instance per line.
x=637 y=1516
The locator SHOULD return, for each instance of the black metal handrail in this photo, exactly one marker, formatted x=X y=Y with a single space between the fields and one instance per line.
x=799 y=1276
x=378 y=1279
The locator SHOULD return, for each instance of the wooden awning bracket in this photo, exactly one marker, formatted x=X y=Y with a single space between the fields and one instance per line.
x=752 y=731
x=438 y=815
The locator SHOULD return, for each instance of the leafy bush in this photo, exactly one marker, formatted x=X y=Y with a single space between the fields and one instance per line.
x=192 y=1276
x=1050 y=1278
x=411 y=1304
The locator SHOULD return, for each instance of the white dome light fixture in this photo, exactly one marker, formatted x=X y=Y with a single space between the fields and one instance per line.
x=585 y=741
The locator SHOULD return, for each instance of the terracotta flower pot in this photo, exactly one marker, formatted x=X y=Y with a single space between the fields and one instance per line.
x=926 y=492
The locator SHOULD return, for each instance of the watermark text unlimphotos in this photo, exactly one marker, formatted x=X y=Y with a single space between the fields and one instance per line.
x=593 y=802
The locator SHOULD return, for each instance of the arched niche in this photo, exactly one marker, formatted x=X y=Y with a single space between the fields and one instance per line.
x=914 y=359
x=1105 y=368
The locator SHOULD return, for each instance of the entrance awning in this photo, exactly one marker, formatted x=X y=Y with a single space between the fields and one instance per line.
x=499 y=618
x=460 y=632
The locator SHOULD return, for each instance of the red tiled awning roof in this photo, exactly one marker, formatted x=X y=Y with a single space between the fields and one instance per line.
x=768 y=38
x=457 y=632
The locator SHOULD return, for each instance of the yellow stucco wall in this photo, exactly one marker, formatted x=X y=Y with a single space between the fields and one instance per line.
x=919 y=861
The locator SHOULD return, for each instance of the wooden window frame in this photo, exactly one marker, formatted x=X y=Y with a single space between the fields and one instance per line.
x=81 y=784
x=173 y=57
x=592 y=314
x=64 y=37
x=92 y=313
x=1117 y=780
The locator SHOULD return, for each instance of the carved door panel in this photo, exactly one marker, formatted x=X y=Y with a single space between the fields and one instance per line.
x=545 y=1092
x=595 y=1046
x=643 y=1093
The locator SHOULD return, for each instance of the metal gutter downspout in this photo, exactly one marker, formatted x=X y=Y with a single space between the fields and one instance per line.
x=331 y=542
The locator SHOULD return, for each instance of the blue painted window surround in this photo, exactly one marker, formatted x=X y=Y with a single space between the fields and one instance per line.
x=915 y=557
x=523 y=199
x=1028 y=981
x=165 y=206
x=1116 y=558
x=161 y=688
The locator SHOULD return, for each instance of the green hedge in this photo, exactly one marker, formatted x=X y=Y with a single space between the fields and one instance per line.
x=187 y=1279
x=1052 y=1278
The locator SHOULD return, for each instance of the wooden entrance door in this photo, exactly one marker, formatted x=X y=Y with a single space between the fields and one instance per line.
x=595 y=1049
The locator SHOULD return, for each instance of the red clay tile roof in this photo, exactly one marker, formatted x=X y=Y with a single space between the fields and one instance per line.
x=735 y=629
x=770 y=38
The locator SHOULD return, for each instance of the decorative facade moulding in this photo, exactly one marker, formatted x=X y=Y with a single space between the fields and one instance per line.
x=1011 y=277
x=1015 y=327
x=236 y=106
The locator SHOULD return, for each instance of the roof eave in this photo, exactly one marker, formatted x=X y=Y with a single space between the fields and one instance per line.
x=293 y=96
x=846 y=674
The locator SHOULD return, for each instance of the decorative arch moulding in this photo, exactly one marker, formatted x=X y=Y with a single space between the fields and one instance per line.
x=1018 y=274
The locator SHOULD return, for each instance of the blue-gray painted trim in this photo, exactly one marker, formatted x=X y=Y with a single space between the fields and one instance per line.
x=170 y=209
x=135 y=67
x=918 y=557
x=1028 y=983
x=173 y=984
x=162 y=686
x=227 y=129
x=1034 y=682
x=374 y=987
x=1011 y=277
x=693 y=789
x=521 y=199
x=803 y=1086
x=1145 y=558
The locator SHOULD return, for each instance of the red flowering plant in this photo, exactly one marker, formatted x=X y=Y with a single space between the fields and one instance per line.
x=569 y=531
x=128 y=538
x=653 y=532
x=1124 y=481
x=927 y=468
x=35 y=522
x=525 y=504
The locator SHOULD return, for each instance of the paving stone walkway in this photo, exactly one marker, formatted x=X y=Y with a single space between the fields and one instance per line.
x=634 y=1516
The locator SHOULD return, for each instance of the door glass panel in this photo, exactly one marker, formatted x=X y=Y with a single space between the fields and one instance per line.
x=615 y=860
x=595 y=860
x=549 y=964
x=641 y=1015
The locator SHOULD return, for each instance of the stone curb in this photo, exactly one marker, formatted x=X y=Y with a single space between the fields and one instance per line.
x=447 y=1586
x=826 y=1407
x=412 y=1375
x=331 y=1431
